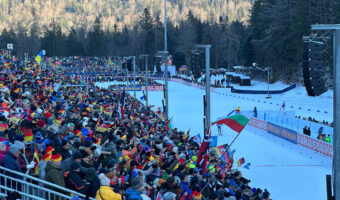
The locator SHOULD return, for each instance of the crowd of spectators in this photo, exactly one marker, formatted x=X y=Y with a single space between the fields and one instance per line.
x=103 y=143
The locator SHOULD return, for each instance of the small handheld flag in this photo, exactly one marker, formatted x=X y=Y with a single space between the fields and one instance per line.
x=247 y=166
x=185 y=137
x=39 y=57
x=240 y=162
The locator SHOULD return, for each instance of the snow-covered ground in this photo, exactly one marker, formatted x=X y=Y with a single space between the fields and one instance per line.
x=320 y=108
x=288 y=171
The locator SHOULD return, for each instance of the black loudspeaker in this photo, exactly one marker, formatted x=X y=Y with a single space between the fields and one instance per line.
x=196 y=60
x=313 y=64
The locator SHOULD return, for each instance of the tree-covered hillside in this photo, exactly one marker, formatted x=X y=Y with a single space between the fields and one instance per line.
x=16 y=14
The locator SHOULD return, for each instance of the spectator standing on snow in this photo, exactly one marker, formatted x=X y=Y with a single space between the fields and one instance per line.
x=328 y=139
x=321 y=136
x=219 y=128
x=304 y=131
x=308 y=131
x=255 y=112
x=283 y=106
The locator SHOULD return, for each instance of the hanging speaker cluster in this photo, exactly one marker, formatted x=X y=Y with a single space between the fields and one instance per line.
x=313 y=65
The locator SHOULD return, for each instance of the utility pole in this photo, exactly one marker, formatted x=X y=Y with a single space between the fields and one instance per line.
x=166 y=64
x=165 y=53
x=146 y=79
x=134 y=74
x=335 y=28
x=207 y=81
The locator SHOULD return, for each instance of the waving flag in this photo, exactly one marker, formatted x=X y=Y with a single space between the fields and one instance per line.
x=240 y=162
x=12 y=76
x=168 y=125
x=235 y=122
x=39 y=57
x=247 y=166
x=213 y=141
x=186 y=136
x=197 y=138
x=36 y=156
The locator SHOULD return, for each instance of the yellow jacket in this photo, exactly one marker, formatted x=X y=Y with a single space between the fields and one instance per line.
x=106 y=193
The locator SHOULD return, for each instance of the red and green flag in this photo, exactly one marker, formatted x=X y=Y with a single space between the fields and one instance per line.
x=168 y=125
x=235 y=122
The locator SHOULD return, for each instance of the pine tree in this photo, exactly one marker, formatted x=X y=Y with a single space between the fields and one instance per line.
x=335 y=12
x=146 y=25
x=97 y=45
x=72 y=45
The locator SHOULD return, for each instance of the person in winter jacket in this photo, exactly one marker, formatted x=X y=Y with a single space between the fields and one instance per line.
x=105 y=192
x=53 y=172
x=185 y=188
x=42 y=165
x=134 y=192
x=64 y=150
x=9 y=161
x=73 y=180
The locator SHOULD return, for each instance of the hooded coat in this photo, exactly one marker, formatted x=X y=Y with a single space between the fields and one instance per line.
x=133 y=194
x=54 y=175
x=107 y=193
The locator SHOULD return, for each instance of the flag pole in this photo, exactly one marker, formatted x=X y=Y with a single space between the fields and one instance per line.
x=234 y=140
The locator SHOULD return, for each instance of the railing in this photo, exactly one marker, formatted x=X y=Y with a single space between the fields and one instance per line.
x=33 y=188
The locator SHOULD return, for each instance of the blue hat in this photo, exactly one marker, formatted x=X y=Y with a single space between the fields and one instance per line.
x=84 y=131
x=39 y=138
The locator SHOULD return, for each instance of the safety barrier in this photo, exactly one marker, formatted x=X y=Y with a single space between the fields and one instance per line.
x=195 y=85
x=30 y=187
x=263 y=91
x=153 y=88
x=282 y=132
x=137 y=88
x=315 y=145
x=294 y=137
x=258 y=123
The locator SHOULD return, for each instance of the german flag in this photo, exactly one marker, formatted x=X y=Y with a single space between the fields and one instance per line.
x=36 y=156
x=16 y=90
x=28 y=135
x=186 y=136
x=98 y=140
x=77 y=132
x=8 y=64
x=12 y=76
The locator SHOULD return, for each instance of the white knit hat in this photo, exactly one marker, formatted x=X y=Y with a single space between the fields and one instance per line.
x=104 y=180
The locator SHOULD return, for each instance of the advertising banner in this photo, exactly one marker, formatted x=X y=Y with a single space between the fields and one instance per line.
x=153 y=88
x=283 y=133
x=315 y=144
x=258 y=123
